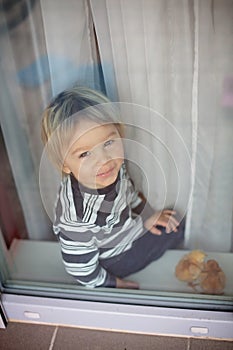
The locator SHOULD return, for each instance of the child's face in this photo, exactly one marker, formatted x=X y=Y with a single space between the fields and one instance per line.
x=96 y=154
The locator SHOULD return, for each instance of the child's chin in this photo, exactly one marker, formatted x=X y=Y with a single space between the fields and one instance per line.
x=106 y=182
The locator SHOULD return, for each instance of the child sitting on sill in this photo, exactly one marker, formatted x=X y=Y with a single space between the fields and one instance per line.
x=106 y=229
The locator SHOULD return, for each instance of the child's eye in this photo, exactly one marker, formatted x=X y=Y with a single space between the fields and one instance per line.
x=84 y=154
x=108 y=143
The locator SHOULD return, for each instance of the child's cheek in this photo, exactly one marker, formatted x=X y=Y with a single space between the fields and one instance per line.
x=82 y=166
x=119 y=150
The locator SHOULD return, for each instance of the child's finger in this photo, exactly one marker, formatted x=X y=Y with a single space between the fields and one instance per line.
x=171 y=227
x=169 y=223
x=172 y=223
x=155 y=230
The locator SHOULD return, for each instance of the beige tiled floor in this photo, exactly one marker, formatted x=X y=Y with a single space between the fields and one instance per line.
x=23 y=336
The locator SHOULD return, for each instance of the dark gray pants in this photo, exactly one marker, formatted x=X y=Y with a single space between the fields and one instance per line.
x=144 y=250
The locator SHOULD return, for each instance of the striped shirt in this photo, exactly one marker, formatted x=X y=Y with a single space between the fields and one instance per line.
x=93 y=225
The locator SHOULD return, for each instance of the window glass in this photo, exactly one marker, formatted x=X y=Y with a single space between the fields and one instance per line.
x=167 y=73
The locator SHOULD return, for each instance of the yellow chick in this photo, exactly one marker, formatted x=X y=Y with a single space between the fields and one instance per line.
x=212 y=279
x=190 y=266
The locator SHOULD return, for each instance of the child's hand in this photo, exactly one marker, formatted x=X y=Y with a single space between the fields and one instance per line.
x=120 y=283
x=163 y=218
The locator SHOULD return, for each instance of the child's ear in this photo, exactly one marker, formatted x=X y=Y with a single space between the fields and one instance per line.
x=66 y=169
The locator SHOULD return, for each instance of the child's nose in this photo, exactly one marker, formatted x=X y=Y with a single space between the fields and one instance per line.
x=102 y=156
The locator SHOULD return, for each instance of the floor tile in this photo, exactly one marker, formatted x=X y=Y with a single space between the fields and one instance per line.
x=210 y=344
x=25 y=336
x=69 y=339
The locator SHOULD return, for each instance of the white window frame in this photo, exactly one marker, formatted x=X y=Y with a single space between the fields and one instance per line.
x=119 y=317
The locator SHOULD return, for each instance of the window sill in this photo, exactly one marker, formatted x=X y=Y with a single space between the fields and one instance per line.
x=40 y=291
x=40 y=261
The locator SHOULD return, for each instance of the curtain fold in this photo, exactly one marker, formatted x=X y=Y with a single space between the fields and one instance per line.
x=153 y=69
x=211 y=215
x=16 y=130
x=70 y=44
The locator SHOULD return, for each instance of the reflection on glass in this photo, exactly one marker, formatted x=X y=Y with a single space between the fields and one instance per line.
x=171 y=78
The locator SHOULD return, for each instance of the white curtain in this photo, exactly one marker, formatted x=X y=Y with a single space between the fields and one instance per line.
x=166 y=61
x=173 y=57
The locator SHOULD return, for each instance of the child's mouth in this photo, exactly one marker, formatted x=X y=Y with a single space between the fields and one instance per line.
x=106 y=173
